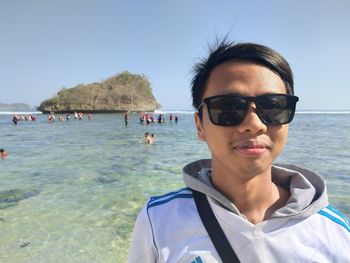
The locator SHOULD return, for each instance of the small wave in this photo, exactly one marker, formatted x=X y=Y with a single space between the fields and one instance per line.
x=323 y=112
x=20 y=112
x=174 y=111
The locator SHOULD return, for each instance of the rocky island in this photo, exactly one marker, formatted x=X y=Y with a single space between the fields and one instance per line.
x=122 y=92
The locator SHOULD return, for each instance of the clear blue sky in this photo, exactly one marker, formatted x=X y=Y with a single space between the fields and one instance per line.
x=47 y=45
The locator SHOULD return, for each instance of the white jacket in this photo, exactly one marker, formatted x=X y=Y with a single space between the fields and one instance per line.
x=307 y=229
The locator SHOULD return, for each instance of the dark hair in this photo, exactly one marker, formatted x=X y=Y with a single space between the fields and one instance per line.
x=230 y=51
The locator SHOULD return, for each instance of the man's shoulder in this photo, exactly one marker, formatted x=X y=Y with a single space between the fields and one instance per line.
x=170 y=198
x=335 y=217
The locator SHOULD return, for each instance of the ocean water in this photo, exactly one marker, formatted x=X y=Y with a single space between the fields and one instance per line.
x=70 y=191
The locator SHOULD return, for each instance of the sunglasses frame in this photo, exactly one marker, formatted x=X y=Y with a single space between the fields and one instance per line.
x=291 y=100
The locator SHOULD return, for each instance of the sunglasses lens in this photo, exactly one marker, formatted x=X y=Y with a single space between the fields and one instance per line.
x=227 y=111
x=276 y=109
x=272 y=109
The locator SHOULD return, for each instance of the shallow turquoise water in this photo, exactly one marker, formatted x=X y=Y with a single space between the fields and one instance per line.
x=71 y=191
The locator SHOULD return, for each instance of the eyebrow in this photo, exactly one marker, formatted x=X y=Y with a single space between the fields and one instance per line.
x=228 y=93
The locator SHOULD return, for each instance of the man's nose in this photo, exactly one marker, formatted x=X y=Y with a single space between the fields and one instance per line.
x=252 y=122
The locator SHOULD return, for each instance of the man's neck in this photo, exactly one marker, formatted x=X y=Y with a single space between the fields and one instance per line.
x=257 y=198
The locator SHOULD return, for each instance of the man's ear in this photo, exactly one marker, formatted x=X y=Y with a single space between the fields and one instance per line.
x=199 y=125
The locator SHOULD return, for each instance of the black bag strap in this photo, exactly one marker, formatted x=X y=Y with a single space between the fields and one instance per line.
x=216 y=234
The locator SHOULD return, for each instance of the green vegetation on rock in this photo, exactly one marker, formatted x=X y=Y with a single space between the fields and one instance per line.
x=122 y=92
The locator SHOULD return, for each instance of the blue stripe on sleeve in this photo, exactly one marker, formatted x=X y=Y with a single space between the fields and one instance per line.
x=155 y=203
x=334 y=219
x=335 y=211
x=170 y=193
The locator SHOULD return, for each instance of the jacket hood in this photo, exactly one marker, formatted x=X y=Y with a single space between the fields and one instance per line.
x=308 y=189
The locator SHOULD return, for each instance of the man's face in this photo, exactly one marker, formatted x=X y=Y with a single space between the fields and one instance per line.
x=249 y=148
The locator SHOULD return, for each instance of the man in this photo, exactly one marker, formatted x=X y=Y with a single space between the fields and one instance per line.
x=267 y=213
x=3 y=153
x=126 y=118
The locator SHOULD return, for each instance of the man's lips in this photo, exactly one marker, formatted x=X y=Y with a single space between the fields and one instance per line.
x=251 y=147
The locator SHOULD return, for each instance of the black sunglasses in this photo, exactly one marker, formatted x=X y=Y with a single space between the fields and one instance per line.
x=230 y=110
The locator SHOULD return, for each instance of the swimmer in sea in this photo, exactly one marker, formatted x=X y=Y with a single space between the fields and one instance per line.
x=3 y=153
x=15 y=119
x=147 y=138
x=126 y=117
x=152 y=139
